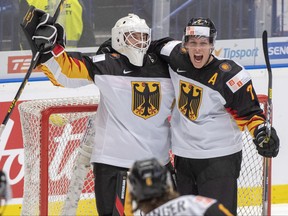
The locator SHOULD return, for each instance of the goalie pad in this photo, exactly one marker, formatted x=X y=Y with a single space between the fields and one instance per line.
x=85 y=155
x=80 y=171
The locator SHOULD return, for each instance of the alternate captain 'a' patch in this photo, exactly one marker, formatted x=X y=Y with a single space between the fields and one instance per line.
x=190 y=97
x=146 y=98
x=239 y=80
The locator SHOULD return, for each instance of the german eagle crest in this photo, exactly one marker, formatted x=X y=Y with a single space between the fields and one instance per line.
x=146 y=99
x=190 y=97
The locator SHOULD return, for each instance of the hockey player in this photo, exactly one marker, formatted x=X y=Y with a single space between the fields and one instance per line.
x=216 y=101
x=136 y=95
x=151 y=189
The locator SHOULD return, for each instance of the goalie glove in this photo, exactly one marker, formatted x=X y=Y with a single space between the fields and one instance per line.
x=266 y=147
x=47 y=36
x=41 y=34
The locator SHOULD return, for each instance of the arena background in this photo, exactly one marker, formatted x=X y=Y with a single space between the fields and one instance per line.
x=239 y=23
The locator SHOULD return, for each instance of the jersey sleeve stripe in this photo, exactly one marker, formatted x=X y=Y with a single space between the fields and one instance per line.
x=167 y=49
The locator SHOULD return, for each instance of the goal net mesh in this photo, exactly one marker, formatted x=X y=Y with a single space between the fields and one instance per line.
x=251 y=180
x=53 y=131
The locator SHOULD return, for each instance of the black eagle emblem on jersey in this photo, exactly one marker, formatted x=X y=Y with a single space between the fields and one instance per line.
x=146 y=99
x=190 y=97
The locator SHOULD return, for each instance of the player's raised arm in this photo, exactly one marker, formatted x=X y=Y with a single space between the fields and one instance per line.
x=62 y=68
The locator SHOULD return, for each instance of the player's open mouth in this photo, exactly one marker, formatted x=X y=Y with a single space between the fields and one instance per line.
x=198 y=58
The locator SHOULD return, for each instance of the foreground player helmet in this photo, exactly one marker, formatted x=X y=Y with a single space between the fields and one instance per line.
x=200 y=27
x=3 y=192
x=3 y=185
x=148 y=179
x=123 y=29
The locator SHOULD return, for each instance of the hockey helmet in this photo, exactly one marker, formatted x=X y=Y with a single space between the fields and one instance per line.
x=200 y=27
x=3 y=192
x=3 y=185
x=123 y=30
x=148 y=179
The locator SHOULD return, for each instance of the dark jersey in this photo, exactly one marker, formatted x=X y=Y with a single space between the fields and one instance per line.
x=135 y=102
x=212 y=104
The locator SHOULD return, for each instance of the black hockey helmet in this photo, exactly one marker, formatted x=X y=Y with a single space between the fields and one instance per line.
x=3 y=185
x=148 y=179
x=201 y=27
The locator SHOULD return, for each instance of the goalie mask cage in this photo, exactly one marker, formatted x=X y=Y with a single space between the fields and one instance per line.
x=53 y=131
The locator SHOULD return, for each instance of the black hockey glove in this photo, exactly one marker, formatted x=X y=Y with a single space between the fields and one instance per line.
x=105 y=47
x=267 y=148
x=41 y=34
x=46 y=36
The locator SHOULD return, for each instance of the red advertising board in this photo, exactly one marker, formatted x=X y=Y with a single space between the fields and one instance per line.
x=11 y=151
x=60 y=169
x=19 y=64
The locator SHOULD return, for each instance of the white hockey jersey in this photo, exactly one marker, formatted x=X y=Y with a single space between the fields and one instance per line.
x=135 y=102
x=213 y=105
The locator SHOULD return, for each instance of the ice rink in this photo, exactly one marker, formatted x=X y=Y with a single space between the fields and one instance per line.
x=279 y=209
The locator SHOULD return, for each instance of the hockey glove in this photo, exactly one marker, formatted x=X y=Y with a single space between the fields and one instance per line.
x=267 y=148
x=105 y=47
x=41 y=34
x=30 y=23
x=46 y=37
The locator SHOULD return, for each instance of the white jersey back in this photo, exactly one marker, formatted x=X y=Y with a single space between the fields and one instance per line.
x=184 y=205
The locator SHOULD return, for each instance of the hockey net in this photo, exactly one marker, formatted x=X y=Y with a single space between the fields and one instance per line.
x=255 y=177
x=58 y=179
x=54 y=147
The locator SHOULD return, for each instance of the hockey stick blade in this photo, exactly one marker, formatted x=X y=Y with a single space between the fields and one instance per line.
x=33 y=63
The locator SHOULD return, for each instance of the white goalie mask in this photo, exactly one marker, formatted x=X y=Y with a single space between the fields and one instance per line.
x=131 y=37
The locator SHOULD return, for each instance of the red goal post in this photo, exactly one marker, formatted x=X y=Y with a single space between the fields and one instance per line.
x=53 y=131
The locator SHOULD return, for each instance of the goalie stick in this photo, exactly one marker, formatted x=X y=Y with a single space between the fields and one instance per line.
x=28 y=17
x=267 y=161
x=121 y=187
